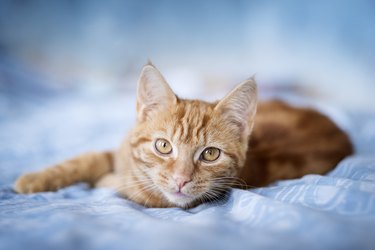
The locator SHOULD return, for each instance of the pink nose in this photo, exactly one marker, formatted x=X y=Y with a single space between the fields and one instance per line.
x=181 y=181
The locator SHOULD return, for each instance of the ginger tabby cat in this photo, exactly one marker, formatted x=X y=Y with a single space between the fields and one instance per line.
x=185 y=152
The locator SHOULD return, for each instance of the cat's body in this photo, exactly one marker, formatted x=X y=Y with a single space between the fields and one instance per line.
x=185 y=152
x=289 y=142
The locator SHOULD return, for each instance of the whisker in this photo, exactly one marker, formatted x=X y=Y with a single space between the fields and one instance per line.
x=142 y=190
x=232 y=181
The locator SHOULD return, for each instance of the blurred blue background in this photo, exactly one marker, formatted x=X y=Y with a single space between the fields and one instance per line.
x=68 y=73
x=327 y=47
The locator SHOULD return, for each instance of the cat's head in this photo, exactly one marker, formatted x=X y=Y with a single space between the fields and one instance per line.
x=190 y=150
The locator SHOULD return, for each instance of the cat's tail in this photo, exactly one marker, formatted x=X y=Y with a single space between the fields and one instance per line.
x=89 y=167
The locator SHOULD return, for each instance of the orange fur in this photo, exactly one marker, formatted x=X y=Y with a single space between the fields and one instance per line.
x=286 y=142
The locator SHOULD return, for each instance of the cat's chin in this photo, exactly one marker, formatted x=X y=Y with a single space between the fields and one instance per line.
x=179 y=199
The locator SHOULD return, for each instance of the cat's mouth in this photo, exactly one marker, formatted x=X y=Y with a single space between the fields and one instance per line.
x=181 y=194
x=179 y=198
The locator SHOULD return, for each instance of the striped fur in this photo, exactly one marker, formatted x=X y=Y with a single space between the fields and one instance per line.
x=286 y=142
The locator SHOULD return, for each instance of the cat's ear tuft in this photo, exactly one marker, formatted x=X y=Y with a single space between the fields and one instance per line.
x=239 y=106
x=154 y=93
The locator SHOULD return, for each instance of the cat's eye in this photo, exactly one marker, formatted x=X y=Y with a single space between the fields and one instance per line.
x=210 y=154
x=163 y=146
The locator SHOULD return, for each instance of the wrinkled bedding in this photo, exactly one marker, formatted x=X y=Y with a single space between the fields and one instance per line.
x=336 y=211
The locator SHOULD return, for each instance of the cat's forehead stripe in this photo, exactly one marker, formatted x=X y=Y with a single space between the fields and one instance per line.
x=184 y=122
x=191 y=119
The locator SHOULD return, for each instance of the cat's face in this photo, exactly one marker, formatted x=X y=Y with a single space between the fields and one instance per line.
x=190 y=150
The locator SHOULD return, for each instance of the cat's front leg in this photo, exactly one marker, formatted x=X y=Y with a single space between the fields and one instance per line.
x=89 y=167
x=32 y=183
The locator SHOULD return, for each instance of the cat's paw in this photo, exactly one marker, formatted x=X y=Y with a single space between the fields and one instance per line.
x=30 y=183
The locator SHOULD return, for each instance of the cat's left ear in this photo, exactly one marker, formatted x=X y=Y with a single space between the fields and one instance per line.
x=153 y=94
x=239 y=106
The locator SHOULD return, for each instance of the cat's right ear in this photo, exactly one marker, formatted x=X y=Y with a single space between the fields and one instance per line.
x=153 y=94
